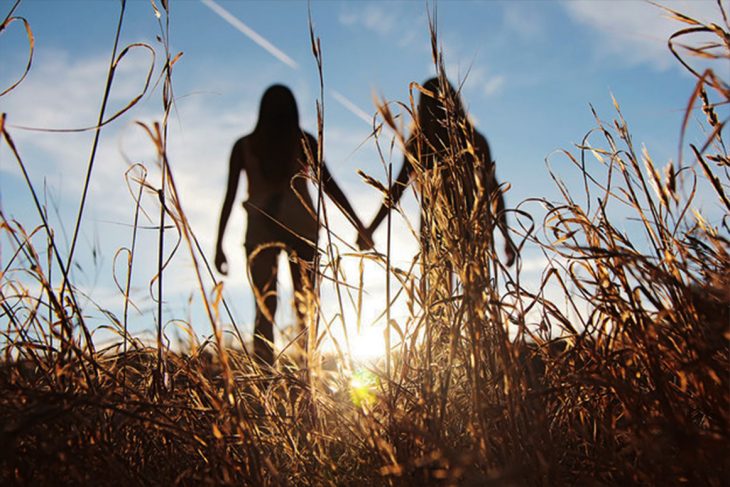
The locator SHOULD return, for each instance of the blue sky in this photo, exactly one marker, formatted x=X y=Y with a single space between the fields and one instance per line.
x=530 y=71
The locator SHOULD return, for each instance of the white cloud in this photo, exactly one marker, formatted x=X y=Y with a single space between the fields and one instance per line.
x=637 y=32
x=476 y=79
x=526 y=23
x=373 y=17
x=404 y=24
x=493 y=85
x=67 y=92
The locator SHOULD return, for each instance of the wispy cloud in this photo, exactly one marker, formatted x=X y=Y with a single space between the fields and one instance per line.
x=250 y=33
x=476 y=79
x=493 y=85
x=373 y=17
x=636 y=32
x=527 y=24
x=63 y=93
x=399 y=23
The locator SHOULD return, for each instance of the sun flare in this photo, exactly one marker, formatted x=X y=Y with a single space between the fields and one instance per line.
x=369 y=344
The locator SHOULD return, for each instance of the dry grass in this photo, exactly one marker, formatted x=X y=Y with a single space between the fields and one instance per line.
x=634 y=391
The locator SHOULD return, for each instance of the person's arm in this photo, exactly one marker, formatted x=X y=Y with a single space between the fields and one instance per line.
x=334 y=191
x=395 y=192
x=236 y=165
x=492 y=185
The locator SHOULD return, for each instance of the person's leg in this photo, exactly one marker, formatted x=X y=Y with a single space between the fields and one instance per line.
x=262 y=266
x=301 y=265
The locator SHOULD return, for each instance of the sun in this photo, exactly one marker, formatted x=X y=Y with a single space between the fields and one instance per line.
x=366 y=347
x=369 y=344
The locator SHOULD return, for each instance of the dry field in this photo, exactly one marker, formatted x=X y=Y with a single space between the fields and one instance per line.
x=634 y=390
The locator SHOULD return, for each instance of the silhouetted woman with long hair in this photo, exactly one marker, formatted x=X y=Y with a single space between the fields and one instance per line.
x=443 y=133
x=276 y=158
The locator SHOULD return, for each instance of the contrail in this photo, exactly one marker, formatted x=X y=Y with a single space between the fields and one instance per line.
x=356 y=110
x=279 y=54
x=250 y=33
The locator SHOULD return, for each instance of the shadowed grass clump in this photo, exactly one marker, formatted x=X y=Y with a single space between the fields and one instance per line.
x=623 y=378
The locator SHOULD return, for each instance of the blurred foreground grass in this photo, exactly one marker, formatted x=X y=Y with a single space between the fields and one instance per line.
x=633 y=389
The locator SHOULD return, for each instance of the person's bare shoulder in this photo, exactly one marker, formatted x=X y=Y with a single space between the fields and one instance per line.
x=238 y=153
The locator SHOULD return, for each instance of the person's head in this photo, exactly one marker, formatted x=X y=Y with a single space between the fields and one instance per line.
x=278 y=110
x=435 y=107
x=276 y=137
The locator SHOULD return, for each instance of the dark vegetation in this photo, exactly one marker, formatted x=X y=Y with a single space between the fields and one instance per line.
x=631 y=390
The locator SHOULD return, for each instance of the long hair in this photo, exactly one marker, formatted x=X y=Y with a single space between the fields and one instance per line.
x=441 y=114
x=276 y=138
x=444 y=132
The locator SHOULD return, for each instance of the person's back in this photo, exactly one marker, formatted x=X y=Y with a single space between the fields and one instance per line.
x=282 y=203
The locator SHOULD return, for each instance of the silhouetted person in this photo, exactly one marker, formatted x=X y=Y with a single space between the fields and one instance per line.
x=430 y=145
x=281 y=215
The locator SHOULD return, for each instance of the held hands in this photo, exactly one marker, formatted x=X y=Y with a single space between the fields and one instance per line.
x=365 y=239
x=221 y=262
